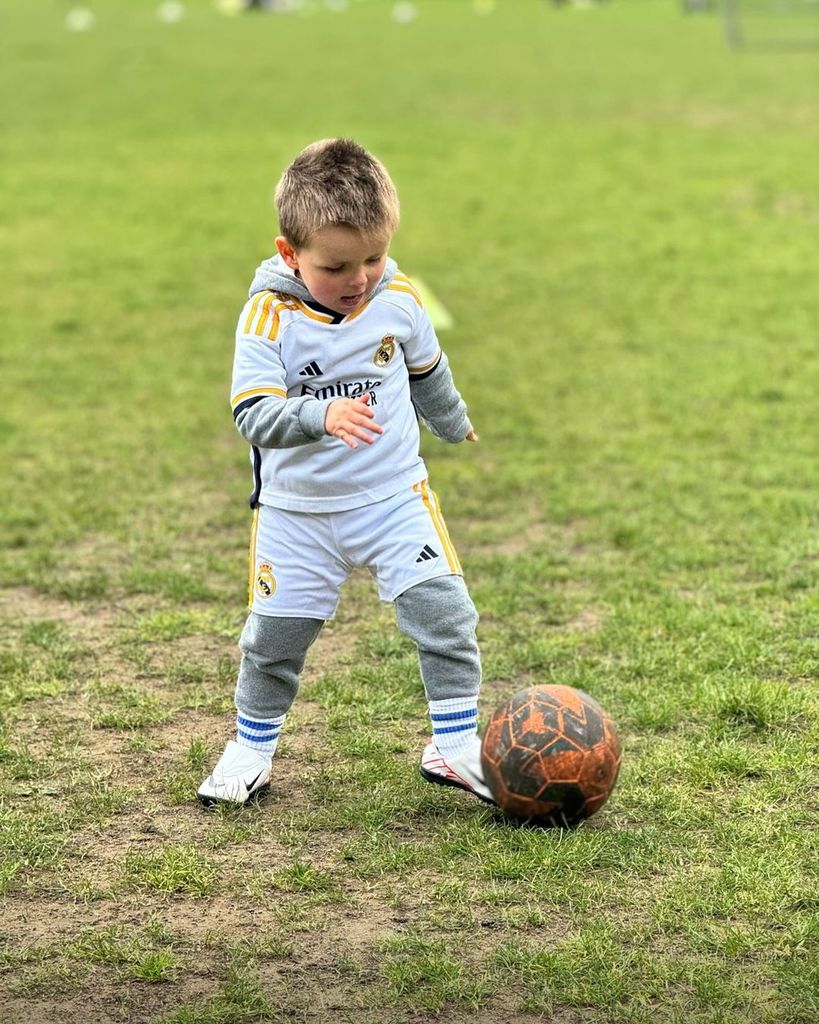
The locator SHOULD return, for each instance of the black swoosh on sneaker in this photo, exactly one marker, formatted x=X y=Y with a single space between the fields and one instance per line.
x=249 y=787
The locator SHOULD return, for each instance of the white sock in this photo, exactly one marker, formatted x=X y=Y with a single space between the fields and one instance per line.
x=454 y=723
x=261 y=735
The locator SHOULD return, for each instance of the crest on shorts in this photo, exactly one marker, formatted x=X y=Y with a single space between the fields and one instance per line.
x=265 y=580
x=385 y=351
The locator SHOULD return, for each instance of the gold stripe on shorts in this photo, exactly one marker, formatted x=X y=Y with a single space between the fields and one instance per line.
x=430 y=500
x=251 y=558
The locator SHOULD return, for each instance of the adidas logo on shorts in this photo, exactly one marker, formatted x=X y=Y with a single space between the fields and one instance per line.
x=427 y=554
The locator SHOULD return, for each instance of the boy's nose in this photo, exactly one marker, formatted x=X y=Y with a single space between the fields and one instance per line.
x=359 y=278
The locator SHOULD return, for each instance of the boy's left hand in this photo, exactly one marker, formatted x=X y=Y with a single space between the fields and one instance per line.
x=471 y=436
x=351 y=418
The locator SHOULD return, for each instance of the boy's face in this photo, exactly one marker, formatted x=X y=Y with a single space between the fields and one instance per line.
x=339 y=266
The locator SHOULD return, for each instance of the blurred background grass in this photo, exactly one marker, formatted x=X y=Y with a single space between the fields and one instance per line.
x=619 y=212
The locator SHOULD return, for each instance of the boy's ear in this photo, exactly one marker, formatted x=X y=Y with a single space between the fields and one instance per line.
x=287 y=252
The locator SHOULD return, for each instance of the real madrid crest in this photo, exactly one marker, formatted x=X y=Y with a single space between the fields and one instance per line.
x=385 y=351
x=265 y=580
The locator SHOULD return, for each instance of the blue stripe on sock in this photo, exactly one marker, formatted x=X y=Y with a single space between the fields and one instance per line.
x=454 y=728
x=248 y=723
x=256 y=738
x=452 y=716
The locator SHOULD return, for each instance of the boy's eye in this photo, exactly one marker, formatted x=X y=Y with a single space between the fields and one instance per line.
x=338 y=269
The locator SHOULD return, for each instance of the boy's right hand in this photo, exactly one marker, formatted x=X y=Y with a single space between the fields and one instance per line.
x=351 y=418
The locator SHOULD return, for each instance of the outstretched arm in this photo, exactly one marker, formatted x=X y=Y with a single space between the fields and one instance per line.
x=439 y=404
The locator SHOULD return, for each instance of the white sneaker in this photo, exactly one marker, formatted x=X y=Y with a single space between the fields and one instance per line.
x=462 y=769
x=239 y=774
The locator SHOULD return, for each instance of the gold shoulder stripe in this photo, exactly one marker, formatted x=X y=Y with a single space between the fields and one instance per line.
x=278 y=392
x=254 y=309
x=259 y=313
x=264 y=313
x=408 y=289
x=400 y=278
x=273 y=333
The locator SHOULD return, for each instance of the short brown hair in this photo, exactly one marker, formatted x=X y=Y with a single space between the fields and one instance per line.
x=335 y=181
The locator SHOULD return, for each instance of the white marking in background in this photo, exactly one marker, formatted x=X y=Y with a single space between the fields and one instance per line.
x=404 y=12
x=171 y=12
x=438 y=313
x=80 y=19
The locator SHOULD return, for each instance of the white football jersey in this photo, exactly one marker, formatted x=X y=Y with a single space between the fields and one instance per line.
x=287 y=350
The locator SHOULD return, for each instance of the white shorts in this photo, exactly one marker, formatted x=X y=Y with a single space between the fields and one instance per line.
x=299 y=560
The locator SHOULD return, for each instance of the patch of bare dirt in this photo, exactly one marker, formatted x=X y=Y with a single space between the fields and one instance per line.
x=588 y=620
x=334 y=946
x=22 y=605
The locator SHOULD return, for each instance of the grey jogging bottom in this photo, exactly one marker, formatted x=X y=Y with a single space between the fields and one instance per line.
x=438 y=615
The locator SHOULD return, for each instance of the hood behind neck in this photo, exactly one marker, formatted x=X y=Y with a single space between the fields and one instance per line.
x=273 y=274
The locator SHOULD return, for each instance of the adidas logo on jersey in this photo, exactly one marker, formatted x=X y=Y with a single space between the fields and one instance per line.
x=427 y=554
x=311 y=370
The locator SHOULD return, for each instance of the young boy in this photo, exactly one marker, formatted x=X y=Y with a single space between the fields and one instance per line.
x=335 y=361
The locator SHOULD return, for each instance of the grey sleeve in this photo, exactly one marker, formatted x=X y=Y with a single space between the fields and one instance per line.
x=439 y=404
x=274 y=422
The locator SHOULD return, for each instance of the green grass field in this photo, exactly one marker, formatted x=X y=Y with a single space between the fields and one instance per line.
x=621 y=215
